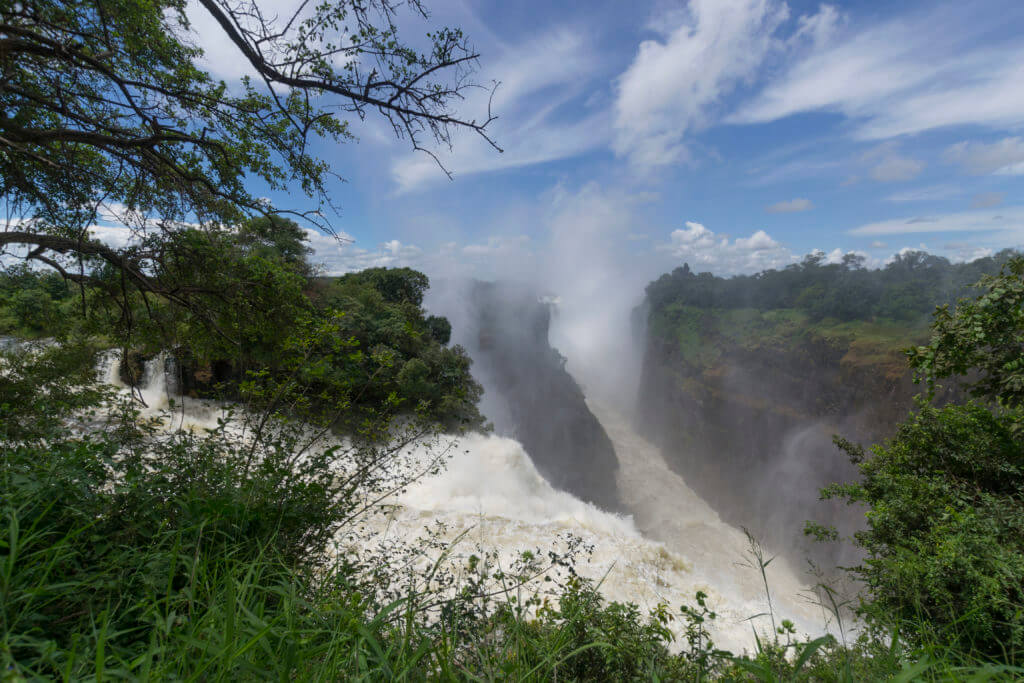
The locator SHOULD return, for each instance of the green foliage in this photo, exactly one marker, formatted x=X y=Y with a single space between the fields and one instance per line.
x=982 y=340
x=944 y=545
x=395 y=285
x=945 y=536
x=32 y=303
x=906 y=289
x=108 y=99
x=397 y=350
x=276 y=237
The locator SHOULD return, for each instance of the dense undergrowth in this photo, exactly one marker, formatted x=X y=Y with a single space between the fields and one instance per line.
x=133 y=550
x=128 y=551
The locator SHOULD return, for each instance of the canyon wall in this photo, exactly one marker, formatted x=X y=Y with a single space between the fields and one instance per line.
x=744 y=404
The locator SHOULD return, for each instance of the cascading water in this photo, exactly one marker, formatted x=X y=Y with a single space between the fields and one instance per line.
x=491 y=496
x=156 y=391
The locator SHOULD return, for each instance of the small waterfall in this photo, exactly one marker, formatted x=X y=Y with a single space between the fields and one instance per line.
x=153 y=387
x=157 y=392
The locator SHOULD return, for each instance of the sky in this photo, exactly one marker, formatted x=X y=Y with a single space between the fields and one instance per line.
x=734 y=135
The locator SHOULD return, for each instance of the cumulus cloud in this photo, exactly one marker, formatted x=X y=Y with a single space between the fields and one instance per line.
x=1004 y=156
x=965 y=251
x=938 y=67
x=704 y=250
x=338 y=256
x=791 y=206
x=677 y=79
x=837 y=255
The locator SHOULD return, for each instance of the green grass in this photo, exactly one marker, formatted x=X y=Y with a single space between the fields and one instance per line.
x=128 y=554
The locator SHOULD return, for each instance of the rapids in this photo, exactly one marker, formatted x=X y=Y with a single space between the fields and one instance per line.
x=491 y=497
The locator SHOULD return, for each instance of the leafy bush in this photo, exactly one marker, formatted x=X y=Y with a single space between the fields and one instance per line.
x=945 y=524
x=945 y=536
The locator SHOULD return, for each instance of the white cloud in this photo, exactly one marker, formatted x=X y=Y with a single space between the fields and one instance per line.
x=676 y=81
x=339 y=256
x=500 y=246
x=926 y=194
x=114 y=236
x=938 y=67
x=533 y=142
x=896 y=168
x=537 y=79
x=791 y=206
x=964 y=251
x=836 y=256
x=705 y=250
x=1004 y=156
x=1006 y=219
x=986 y=200
x=220 y=56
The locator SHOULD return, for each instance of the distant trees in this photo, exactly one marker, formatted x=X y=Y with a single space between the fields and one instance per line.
x=396 y=285
x=31 y=302
x=908 y=288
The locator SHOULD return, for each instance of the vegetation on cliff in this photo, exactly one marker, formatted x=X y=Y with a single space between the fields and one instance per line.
x=908 y=288
x=945 y=525
x=745 y=379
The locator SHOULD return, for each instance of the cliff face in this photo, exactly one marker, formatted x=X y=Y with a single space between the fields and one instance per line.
x=744 y=405
x=528 y=394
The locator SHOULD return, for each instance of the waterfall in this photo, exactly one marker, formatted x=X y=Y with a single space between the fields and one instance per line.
x=491 y=496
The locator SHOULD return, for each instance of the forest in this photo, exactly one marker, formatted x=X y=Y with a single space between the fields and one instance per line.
x=135 y=547
x=908 y=288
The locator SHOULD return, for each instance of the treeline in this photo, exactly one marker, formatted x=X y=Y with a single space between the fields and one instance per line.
x=908 y=288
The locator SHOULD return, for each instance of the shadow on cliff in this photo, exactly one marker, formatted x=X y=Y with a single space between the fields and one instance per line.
x=528 y=394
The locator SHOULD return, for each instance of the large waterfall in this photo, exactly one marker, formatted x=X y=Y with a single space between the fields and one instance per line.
x=670 y=545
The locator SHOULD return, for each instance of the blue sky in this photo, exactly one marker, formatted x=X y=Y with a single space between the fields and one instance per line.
x=731 y=134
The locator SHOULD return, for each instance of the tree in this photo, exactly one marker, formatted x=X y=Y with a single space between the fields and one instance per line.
x=982 y=342
x=103 y=104
x=277 y=237
x=396 y=285
x=944 y=541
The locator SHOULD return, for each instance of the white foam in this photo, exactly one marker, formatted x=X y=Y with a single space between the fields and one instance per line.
x=491 y=495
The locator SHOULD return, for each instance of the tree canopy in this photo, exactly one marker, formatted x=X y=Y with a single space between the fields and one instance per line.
x=105 y=107
x=907 y=288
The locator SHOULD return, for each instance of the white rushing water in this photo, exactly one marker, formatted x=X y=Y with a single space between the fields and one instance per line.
x=672 y=546
x=155 y=398
x=492 y=497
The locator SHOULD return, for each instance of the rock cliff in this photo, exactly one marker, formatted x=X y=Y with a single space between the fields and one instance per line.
x=528 y=394
x=744 y=404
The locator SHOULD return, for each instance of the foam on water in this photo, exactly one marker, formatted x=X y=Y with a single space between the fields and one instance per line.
x=491 y=495
x=673 y=546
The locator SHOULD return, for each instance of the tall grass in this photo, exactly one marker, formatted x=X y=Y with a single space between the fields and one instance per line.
x=131 y=555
